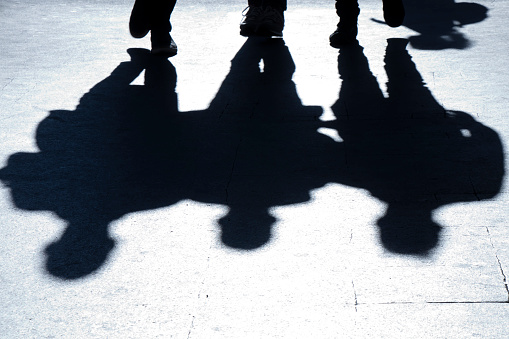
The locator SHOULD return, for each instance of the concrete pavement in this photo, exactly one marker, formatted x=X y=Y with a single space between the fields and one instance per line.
x=254 y=188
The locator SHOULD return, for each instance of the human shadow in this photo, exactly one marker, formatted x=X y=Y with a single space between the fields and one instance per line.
x=408 y=151
x=90 y=165
x=439 y=22
x=127 y=148
x=276 y=141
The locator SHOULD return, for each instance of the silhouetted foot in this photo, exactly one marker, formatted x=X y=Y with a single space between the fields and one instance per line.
x=138 y=22
x=163 y=44
x=394 y=12
x=263 y=21
x=345 y=34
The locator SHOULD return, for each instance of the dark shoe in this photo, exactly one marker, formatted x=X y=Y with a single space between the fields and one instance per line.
x=163 y=44
x=394 y=12
x=345 y=34
x=263 y=21
x=139 y=21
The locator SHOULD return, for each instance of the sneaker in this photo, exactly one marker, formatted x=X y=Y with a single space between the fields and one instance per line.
x=139 y=20
x=345 y=34
x=394 y=12
x=262 y=21
x=163 y=44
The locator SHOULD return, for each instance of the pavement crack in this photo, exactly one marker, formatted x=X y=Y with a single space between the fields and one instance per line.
x=200 y=293
x=356 y=302
x=9 y=81
x=475 y=191
x=191 y=327
x=500 y=267
x=204 y=277
x=503 y=276
x=223 y=110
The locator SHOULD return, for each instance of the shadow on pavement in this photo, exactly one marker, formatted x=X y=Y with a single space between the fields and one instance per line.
x=409 y=151
x=127 y=148
x=439 y=22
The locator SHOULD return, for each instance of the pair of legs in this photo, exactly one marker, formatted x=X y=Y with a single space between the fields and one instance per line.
x=154 y=16
x=348 y=12
x=266 y=18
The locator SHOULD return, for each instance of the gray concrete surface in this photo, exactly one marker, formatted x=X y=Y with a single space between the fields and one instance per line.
x=254 y=189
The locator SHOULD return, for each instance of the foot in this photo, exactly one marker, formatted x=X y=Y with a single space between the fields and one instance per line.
x=262 y=21
x=138 y=22
x=394 y=12
x=163 y=44
x=345 y=34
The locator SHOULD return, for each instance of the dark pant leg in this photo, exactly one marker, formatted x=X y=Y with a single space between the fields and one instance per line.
x=347 y=10
x=160 y=14
x=279 y=4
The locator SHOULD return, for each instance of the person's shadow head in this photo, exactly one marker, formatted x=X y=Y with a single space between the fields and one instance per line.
x=408 y=151
x=246 y=228
x=408 y=229
x=439 y=23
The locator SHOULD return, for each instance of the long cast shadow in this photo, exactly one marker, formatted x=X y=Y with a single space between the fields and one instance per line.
x=408 y=150
x=127 y=148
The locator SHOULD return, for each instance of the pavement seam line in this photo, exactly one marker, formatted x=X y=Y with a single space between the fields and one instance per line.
x=433 y=302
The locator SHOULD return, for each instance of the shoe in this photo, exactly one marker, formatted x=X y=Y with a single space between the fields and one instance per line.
x=344 y=34
x=394 y=12
x=139 y=21
x=163 y=44
x=263 y=21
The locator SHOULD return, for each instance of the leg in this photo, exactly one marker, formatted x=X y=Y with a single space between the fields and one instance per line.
x=154 y=15
x=162 y=42
x=139 y=23
x=394 y=12
x=346 y=31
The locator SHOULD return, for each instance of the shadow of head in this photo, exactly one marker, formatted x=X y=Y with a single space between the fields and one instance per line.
x=246 y=229
x=408 y=229
x=439 y=23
